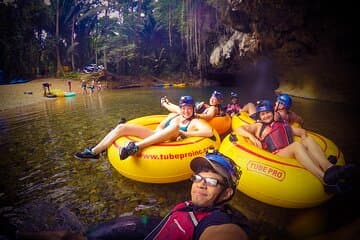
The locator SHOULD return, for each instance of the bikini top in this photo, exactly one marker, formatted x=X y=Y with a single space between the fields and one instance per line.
x=181 y=127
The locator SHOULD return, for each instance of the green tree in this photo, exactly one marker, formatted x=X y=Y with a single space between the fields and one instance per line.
x=21 y=46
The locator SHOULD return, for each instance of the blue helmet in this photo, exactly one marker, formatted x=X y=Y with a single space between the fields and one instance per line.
x=285 y=100
x=186 y=101
x=264 y=105
x=234 y=95
x=218 y=95
x=221 y=164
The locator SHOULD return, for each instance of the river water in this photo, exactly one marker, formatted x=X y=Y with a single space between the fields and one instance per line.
x=43 y=184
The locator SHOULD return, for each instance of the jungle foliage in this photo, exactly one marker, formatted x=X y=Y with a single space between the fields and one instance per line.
x=128 y=37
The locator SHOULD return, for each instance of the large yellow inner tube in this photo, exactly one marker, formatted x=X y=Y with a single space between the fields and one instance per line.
x=276 y=180
x=161 y=163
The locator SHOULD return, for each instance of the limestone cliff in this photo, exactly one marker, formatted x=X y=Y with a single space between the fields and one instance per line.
x=310 y=45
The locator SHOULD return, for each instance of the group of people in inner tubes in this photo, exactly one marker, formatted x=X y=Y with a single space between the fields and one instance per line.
x=216 y=175
x=273 y=122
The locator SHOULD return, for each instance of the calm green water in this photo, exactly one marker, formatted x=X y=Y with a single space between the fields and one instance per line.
x=38 y=170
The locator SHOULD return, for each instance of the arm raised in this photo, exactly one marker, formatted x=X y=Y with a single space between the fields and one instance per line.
x=169 y=106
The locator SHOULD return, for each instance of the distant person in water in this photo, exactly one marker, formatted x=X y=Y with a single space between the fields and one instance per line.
x=46 y=87
x=84 y=86
x=234 y=106
x=69 y=84
x=98 y=86
x=92 y=87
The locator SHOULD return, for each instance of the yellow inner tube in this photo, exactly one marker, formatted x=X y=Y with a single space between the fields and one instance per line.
x=161 y=163
x=276 y=180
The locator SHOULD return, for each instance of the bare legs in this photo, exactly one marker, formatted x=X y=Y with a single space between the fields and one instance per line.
x=170 y=132
x=316 y=153
x=121 y=130
x=149 y=136
x=309 y=154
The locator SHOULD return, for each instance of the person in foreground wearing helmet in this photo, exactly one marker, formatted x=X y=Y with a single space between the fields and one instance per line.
x=277 y=138
x=234 y=106
x=174 y=126
x=203 y=110
x=207 y=216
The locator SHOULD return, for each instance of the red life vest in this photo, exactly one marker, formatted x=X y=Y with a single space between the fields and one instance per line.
x=180 y=224
x=280 y=136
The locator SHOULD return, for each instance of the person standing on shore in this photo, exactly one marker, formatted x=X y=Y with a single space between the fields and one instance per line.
x=83 y=86
x=69 y=84
x=92 y=87
x=98 y=86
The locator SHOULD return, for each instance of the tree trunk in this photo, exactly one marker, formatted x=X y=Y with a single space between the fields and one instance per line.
x=182 y=32
x=72 y=43
x=169 y=26
x=96 y=55
x=188 y=35
x=59 y=68
x=105 y=59
x=73 y=40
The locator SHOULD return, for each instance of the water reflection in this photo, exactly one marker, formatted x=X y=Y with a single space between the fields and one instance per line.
x=37 y=144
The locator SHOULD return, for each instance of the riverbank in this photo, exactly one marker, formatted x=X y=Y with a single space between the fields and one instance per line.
x=32 y=92
x=23 y=94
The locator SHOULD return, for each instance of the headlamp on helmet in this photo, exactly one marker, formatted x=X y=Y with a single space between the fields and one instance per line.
x=218 y=95
x=234 y=95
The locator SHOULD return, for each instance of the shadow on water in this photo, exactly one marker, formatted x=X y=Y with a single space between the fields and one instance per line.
x=44 y=187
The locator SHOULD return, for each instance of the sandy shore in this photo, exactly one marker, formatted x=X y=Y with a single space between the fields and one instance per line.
x=17 y=95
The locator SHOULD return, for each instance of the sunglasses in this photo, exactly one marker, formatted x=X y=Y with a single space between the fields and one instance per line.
x=211 y=182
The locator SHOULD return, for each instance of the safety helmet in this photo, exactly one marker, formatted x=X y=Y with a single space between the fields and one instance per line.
x=186 y=101
x=285 y=100
x=264 y=105
x=234 y=95
x=221 y=164
x=218 y=95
